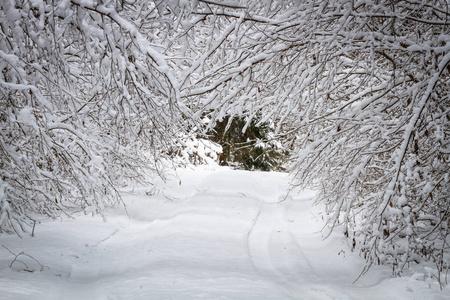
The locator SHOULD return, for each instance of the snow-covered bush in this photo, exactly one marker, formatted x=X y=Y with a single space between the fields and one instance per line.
x=196 y=151
x=87 y=102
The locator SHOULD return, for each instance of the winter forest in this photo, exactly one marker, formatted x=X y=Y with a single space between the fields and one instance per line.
x=350 y=97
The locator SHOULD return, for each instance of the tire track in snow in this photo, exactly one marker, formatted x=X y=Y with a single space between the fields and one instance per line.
x=278 y=256
x=258 y=240
x=273 y=252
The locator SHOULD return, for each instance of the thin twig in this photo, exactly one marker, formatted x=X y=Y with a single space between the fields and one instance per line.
x=42 y=267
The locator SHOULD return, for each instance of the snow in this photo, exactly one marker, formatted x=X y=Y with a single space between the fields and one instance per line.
x=220 y=234
x=26 y=117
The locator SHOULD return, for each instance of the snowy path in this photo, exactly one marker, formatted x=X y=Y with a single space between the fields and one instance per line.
x=219 y=235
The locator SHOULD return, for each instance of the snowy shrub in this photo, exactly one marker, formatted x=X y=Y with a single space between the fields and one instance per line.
x=196 y=151
x=375 y=128
x=86 y=104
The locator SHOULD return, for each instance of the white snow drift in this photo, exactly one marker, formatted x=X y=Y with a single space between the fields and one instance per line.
x=204 y=234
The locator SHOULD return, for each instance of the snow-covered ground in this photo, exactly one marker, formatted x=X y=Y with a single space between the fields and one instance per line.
x=220 y=234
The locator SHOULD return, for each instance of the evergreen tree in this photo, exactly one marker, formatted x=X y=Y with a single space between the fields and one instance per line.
x=247 y=144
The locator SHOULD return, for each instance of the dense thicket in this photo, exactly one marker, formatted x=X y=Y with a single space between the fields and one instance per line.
x=359 y=89
x=87 y=101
